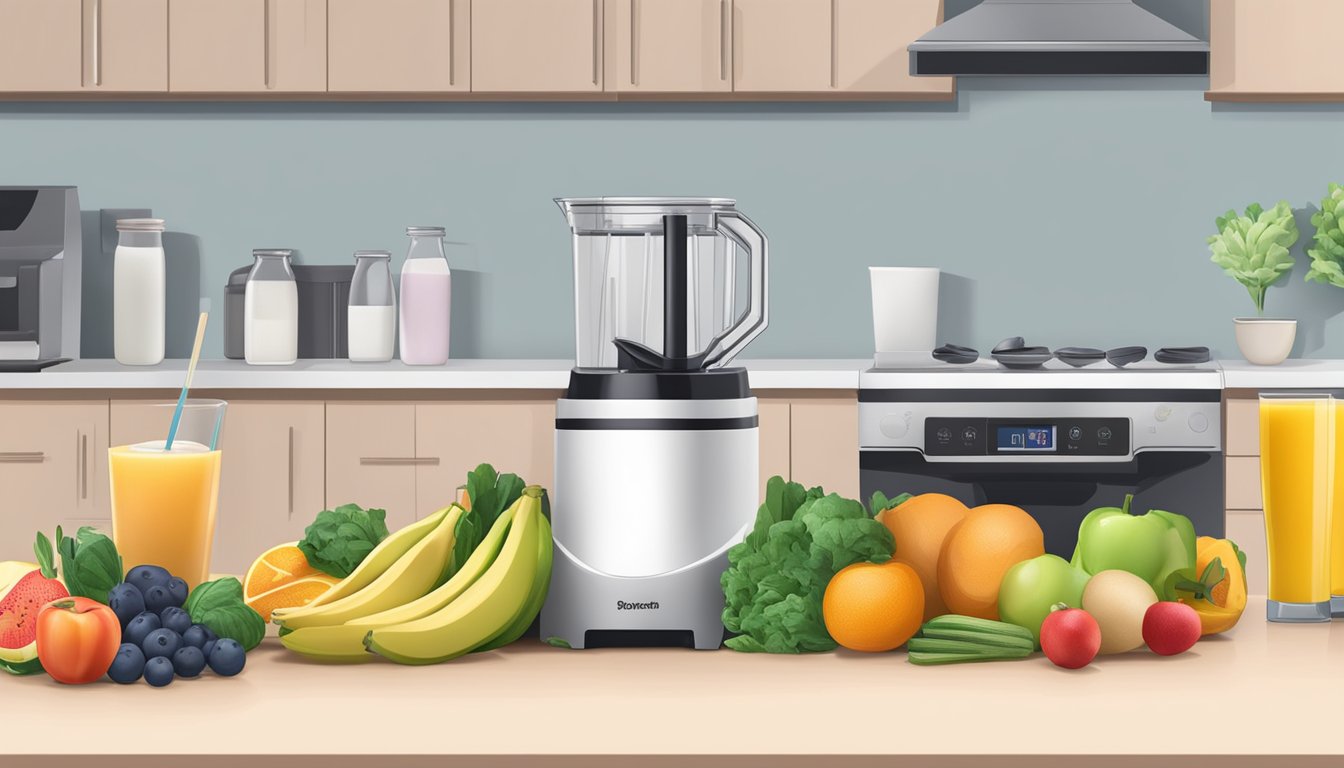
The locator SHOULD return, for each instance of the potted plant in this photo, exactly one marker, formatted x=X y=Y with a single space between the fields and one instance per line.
x=1327 y=249
x=1253 y=249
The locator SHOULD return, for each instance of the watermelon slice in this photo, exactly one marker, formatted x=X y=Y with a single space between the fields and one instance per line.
x=23 y=592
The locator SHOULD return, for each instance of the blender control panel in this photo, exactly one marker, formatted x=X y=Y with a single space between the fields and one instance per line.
x=952 y=436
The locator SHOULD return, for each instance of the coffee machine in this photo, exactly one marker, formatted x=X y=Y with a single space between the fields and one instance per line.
x=40 y=288
x=657 y=448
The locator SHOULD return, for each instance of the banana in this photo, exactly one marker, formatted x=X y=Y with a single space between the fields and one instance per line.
x=483 y=611
x=345 y=642
x=540 y=586
x=388 y=551
x=414 y=574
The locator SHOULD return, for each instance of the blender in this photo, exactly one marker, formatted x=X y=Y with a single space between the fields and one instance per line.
x=657 y=454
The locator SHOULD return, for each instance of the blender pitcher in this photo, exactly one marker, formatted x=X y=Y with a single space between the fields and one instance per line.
x=624 y=250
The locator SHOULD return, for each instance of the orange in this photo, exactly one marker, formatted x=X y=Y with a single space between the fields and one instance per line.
x=920 y=526
x=873 y=606
x=977 y=552
x=277 y=567
x=292 y=595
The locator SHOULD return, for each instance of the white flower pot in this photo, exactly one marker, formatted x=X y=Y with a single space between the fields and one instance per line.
x=1265 y=340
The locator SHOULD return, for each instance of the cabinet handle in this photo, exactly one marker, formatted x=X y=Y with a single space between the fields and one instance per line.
x=835 y=27
x=597 y=37
x=634 y=42
x=22 y=457
x=266 y=44
x=97 y=53
x=83 y=466
x=452 y=47
x=291 y=472
x=399 y=461
x=725 y=20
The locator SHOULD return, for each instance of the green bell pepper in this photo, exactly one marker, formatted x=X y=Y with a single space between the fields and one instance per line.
x=1158 y=547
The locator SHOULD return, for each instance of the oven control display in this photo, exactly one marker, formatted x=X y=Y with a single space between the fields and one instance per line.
x=1027 y=439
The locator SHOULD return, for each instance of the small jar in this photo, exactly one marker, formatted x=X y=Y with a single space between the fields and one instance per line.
x=372 y=314
x=271 y=310
x=426 y=294
x=139 y=293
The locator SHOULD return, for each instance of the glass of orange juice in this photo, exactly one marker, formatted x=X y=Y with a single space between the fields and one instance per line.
x=164 y=501
x=1337 y=518
x=1297 y=446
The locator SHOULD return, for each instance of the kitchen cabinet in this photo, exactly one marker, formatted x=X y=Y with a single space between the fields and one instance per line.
x=774 y=432
x=1245 y=504
x=538 y=46
x=451 y=439
x=870 y=39
x=824 y=444
x=247 y=46
x=400 y=46
x=40 y=45
x=53 y=468
x=371 y=458
x=125 y=45
x=1263 y=51
x=783 y=45
x=272 y=477
x=673 y=46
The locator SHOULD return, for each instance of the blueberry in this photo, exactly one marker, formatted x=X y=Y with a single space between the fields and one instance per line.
x=127 y=665
x=195 y=636
x=126 y=601
x=146 y=576
x=178 y=589
x=227 y=657
x=140 y=627
x=159 y=671
x=158 y=598
x=208 y=647
x=161 y=642
x=188 y=661
x=175 y=618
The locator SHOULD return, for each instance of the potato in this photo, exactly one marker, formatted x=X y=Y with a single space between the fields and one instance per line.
x=1118 y=600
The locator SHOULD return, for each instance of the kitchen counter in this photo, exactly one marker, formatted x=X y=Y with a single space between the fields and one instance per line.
x=475 y=374
x=1261 y=690
x=1290 y=374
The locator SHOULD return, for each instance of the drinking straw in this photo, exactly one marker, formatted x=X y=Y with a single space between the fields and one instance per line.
x=191 y=371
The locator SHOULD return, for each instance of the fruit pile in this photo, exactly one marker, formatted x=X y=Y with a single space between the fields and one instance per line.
x=421 y=597
x=159 y=641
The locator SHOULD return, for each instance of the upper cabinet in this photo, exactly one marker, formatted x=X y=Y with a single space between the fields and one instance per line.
x=247 y=46
x=1285 y=51
x=61 y=46
x=126 y=45
x=40 y=45
x=400 y=46
x=871 y=37
x=673 y=46
x=539 y=46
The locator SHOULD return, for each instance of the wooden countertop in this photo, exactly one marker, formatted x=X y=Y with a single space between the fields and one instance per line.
x=1261 y=690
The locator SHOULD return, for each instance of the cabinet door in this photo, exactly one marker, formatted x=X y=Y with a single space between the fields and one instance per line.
x=371 y=458
x=405 y=46
x=453 y=438
x=248 y=45
x=53 y=469
x=671 y=46
x=870 y=46
x=775 y=449
x=126 y=45
x=783 y=45
x=39 y=45
x=537 y=45
x=825 y=444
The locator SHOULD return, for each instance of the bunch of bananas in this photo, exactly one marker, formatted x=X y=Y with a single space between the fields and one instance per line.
x=390 y=604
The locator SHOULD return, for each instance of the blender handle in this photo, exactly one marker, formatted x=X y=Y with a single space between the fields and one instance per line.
x=741 y=230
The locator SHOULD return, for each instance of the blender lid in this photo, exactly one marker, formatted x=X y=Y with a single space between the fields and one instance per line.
x=660 y=203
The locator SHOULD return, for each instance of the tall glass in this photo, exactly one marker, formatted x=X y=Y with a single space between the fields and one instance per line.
x=164 y=501
x=1337 y=516
x=1296 y=466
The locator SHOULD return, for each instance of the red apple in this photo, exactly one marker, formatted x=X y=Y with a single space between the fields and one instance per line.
x=1170 y=628
x=77 y=639
x=1070 y=637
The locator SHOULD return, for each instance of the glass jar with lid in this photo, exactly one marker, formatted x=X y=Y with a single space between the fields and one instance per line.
x=139 y=292
x=372 y=312
x=271 y=309
x=426 y=294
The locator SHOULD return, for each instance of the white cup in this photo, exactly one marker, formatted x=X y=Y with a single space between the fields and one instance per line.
x=905 y=309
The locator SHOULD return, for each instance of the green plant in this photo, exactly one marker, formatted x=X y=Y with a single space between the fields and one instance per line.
x=1327 y=251
x=1253 y=248
x=339 y=539
x=219 y=605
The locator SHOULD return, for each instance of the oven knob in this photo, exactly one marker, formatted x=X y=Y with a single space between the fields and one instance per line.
x=1075 y=433
x=968 y=434
x=1104 y=434
x=894 y=426
x=1198 y=422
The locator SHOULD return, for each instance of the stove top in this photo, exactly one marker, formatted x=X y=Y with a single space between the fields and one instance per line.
x=1054 y=374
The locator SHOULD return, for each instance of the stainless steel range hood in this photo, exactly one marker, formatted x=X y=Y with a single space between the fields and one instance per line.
x=1058 y=37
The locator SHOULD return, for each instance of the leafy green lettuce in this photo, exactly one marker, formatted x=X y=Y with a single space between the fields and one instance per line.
x=776 y=577
x=339 y=539
x=1327 y=249
x=219 y=605
x=1253 y=248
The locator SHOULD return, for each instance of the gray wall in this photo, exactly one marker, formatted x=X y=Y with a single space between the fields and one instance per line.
x=1070 y=211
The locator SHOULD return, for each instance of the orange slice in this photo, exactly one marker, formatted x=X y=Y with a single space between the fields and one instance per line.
x=294 y=594
x=277 y=567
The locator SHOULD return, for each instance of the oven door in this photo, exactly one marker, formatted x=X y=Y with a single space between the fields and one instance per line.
x=1060 y=494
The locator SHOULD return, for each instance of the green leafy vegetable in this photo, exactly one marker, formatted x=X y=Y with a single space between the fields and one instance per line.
x=90 y=565
x=339 y=539
x=880 y=502
x=1253 y=248
x=776 y=577
x=489 y=494
x=219 y=605
x=46 y=559
x=1327 y=251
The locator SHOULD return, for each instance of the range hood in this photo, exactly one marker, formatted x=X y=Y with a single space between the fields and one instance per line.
x=1058 y=37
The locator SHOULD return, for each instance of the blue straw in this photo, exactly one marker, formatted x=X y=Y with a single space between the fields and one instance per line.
x=182 y=398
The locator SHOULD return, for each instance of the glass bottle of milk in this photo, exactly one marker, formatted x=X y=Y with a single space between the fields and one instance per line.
x=372 y=314
x=426 y=294
x=138 y=293
x=271 y=310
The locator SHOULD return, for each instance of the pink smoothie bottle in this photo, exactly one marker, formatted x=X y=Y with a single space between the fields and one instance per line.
x=426 y=299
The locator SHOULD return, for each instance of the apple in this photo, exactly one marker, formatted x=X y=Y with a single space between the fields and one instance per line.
x=77 y=639
x=1030 y=588
x=1070 y=637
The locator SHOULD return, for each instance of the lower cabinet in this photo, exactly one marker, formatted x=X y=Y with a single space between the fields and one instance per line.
x=451 y=439
x=53 y=470
x=824 y=444
x=371 y=459
x=774 y=433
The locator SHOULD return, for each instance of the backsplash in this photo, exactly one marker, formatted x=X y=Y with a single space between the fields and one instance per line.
x=1068 y=211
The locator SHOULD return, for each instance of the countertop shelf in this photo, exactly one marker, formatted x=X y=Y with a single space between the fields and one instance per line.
x=1262 y=689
